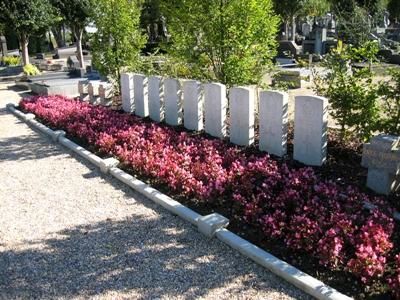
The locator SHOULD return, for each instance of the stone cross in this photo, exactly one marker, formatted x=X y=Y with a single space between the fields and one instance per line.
x=382 y=158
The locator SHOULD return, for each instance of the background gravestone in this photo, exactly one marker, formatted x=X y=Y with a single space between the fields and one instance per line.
x=382 y=158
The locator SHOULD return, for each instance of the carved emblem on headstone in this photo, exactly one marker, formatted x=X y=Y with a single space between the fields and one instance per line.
x=382 y=158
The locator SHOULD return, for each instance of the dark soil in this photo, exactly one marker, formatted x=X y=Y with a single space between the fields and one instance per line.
x=343 y=166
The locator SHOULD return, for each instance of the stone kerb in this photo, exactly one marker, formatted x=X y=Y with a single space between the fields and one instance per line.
x=127 y=92
x=172 y=101
x=156 y=105
x=140 y=91
x=192 y=105
x=83 y=86
x=105 y=93
x=241 y=108
x=93 y=91
x=310 y=130
x=215 y=105
x=382 y=158
x=273 y=120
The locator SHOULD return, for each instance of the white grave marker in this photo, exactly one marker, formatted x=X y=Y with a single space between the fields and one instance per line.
x=215 y=104
x=140 y=91
x=156 y=109
x=273 y=120
x=192 y=105
x=310 y=130
x=127 y=92
x=173 y=103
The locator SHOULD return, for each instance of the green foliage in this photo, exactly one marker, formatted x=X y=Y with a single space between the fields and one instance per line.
x=351 y=92
x=231 y=41
x=394 y=9
x=118 y=40
x=316 y=8
x=11 y=61
x=288 y=9
x=390 y=92
x=31 y=70
x=26 y=16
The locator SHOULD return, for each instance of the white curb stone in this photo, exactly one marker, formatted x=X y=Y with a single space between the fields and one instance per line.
x=209 y=224
x=81 y=151
x=57 y=135
x=291 y=274
x=107 y=164
x=28 y=117
x=10 y=106
x=156 y=196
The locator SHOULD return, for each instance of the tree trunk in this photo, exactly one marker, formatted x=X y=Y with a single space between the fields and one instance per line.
x=57 y=33
x=24 y=46
x=286 y=30
x=293 y=28
x=78 y=35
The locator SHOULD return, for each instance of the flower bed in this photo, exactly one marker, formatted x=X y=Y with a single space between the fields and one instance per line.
x=293 y=206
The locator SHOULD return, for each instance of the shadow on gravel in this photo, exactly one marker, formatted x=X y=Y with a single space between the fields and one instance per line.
x=26 y=147
x=118 y=256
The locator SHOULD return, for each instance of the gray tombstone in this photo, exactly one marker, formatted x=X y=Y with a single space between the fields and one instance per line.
x=73 y=62
x=382 y=158
x=320 y=40
x=3 y=47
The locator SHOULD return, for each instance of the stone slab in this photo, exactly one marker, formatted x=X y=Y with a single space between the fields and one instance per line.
x=310 y=130
x=241 y=108
x=215 y=106
x=156 y=105
x=273 y=121
x=127 y=96
x=173 y=102
x=193 y=104
x=140 y=91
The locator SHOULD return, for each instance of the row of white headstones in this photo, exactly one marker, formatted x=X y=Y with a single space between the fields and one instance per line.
x=206 y=107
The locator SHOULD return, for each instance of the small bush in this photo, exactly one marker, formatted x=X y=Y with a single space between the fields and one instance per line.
x=390 y=91
x=31 y=70
x=351 y=92
x=12 y=61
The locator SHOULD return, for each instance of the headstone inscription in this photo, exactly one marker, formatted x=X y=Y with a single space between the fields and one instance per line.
x=382 y=158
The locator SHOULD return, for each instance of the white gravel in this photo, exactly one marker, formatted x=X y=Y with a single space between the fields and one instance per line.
x=69 y=232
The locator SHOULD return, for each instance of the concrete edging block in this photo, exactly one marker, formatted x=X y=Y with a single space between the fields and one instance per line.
x=209 y=224
x=107 y=164
x=156 y=196
x=81 y=151
x=303 y=281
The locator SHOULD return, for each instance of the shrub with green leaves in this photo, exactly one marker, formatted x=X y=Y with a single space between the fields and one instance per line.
x=390 y=91
x=348 y=84
x=31 y=70
x=12 y=61
x=233 y=41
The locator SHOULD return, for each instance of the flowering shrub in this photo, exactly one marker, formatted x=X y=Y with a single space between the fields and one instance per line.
x=317 y=217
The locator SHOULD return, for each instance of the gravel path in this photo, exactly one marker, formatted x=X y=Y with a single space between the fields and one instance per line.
x=69 y=232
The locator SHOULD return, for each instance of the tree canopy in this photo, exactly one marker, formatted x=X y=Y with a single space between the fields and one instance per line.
x=26 y=17
x=230 y=41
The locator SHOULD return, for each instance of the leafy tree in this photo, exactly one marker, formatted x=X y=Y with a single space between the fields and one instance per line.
x=390 y=92
x=394 y=9
x=26 y=17
x=76 y=14
x=351 y=92
x=119 y=39
x=232 y=41
x=289 y=10
x=316 y=8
